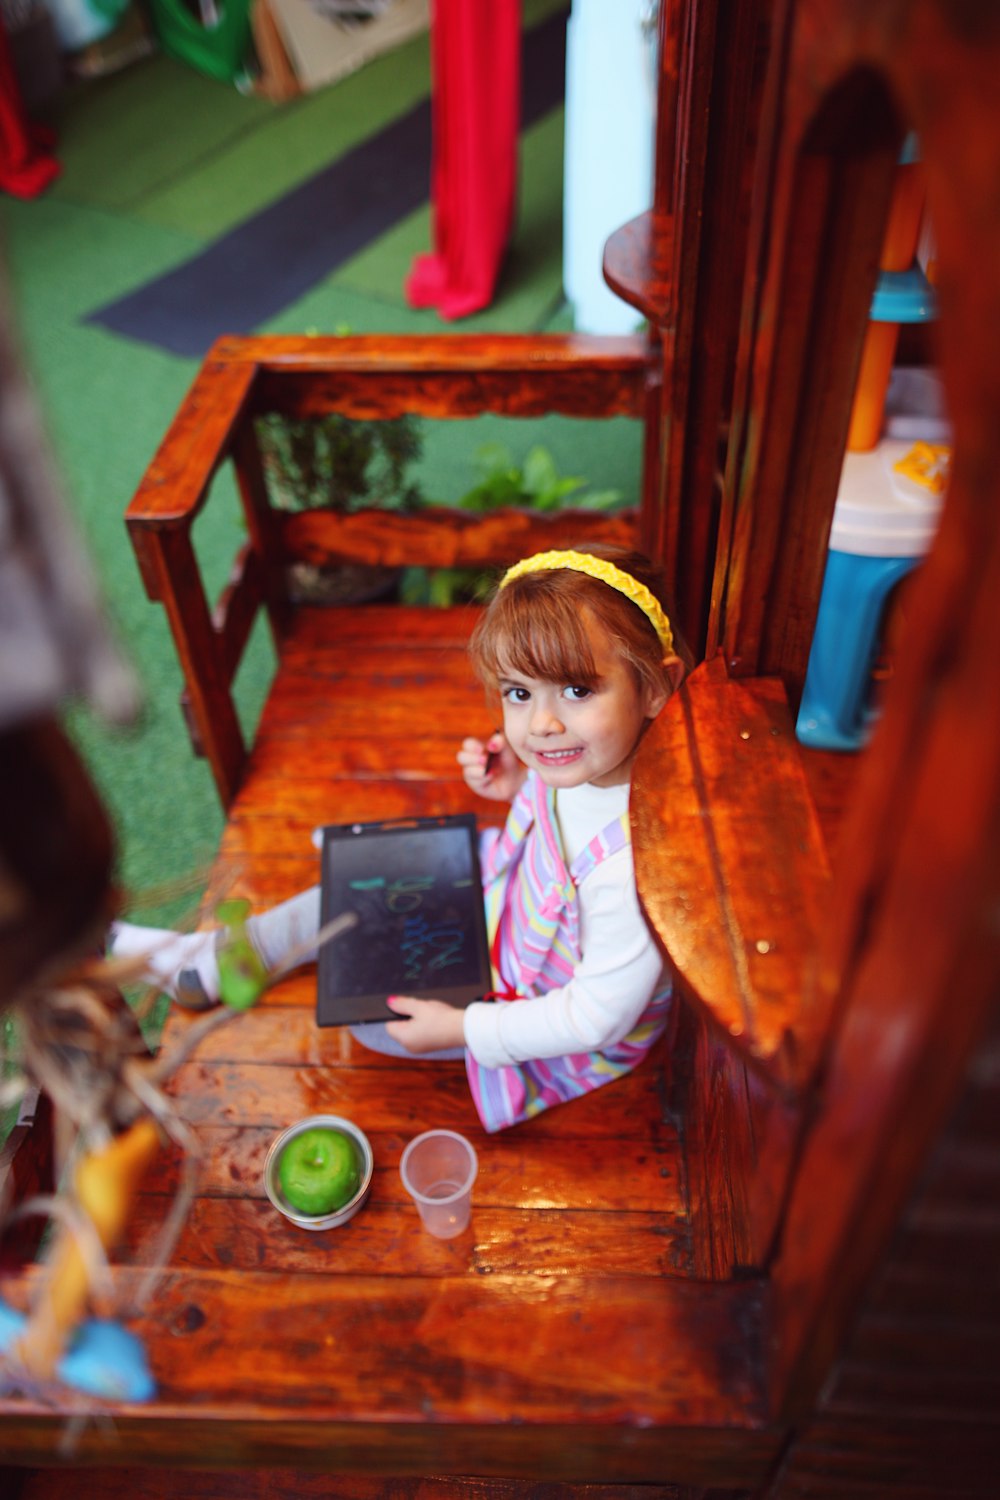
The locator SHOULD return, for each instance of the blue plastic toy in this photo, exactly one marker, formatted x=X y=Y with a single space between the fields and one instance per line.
x=103 y=1360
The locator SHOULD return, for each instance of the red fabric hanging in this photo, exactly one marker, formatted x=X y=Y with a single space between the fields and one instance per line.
x=26 y=166
x=476 y=106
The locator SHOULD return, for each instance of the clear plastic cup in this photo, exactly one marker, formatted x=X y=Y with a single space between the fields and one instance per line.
x=438 y=1169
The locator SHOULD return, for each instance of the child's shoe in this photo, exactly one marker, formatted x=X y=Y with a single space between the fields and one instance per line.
x=181 y=964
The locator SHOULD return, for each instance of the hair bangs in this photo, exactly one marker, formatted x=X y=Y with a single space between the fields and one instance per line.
x=543 y=625
x=535 y=632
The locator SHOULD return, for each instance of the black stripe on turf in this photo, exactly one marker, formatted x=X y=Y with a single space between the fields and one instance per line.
x=263 y=265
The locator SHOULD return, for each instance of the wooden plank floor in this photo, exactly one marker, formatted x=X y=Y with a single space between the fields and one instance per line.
x=299 y=1484
x=563 y=1335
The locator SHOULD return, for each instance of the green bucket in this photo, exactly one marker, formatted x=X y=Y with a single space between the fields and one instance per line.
x=218 y=47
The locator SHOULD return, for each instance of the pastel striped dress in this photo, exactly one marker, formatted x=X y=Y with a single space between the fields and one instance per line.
x=532 y=913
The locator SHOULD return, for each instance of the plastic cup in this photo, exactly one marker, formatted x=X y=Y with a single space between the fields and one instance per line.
x=438 y=1169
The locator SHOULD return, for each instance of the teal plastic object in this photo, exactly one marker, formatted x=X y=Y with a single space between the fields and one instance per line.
x=835 y=712
x=79 y=23
x=903 y=297
x=103 y=1360
x=219 y=49
x=910 y=151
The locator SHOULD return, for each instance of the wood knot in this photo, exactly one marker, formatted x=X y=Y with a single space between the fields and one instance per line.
x=188 y=1320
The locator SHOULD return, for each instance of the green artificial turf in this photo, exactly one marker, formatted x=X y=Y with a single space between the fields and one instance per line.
x=264 y=159
x=157 y=161
x=133 y=133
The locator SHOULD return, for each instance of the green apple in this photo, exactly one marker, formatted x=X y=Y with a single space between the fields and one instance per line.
x=319 y=1170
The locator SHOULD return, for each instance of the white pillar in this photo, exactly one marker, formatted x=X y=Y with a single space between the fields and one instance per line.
x=608 y=168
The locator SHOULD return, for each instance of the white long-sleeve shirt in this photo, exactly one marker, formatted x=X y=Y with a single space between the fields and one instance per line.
x=620 y=970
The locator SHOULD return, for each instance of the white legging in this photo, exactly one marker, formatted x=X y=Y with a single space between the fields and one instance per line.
x=289 y=930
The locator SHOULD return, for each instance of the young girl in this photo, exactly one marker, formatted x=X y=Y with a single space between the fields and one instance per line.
x=579 y=650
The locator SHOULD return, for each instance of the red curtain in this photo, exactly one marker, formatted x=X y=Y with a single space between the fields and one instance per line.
x=26 y=166
x=476 y=106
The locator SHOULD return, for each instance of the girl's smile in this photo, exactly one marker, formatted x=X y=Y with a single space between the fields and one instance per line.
x=574 y=733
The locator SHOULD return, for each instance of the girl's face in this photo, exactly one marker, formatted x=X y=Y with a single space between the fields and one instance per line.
x=571 y=734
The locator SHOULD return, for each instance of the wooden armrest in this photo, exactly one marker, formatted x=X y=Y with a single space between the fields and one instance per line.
x=732 y=868
x=444 y=375
x=175 y=485
x=373 y=377
x=26 y=1170
x=205 y=432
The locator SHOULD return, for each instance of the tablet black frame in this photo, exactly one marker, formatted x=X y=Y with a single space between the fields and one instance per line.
x=333 y=1007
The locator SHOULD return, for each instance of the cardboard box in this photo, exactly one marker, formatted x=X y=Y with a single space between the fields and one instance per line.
x=321 y=50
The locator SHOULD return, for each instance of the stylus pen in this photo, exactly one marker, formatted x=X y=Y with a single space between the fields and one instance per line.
x=492 y=756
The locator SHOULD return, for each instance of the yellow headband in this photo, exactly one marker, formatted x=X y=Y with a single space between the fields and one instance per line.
x=615 y=578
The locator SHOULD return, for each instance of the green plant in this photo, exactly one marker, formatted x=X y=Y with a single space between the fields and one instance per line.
x=503 y=484
x=537 y=486
x=339 y=463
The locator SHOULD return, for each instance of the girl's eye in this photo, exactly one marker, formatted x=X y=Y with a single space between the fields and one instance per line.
x=576 y=692
x=516 y=694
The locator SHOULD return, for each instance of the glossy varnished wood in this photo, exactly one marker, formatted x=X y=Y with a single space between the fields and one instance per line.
x=457 y=376
x=690 y=255
x=570 y=1306
x=637 y=261
x=465 y=540
x=732 y=866
x=26 y=1169
x=789 y=1286
x=365 y=377
x=301 y=1484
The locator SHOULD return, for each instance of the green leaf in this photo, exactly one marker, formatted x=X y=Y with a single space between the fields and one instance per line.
x=600 y=500
x=501 y=488
x=339 y=463
x=451 y=585
x=414 y=586
x=540 y=473
x=553 y=497
x=492 y=456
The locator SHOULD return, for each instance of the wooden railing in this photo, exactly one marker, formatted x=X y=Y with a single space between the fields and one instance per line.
x=380 y=378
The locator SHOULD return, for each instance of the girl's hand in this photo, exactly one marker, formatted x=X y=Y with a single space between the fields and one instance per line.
x=491 y=768
x=433 y=1024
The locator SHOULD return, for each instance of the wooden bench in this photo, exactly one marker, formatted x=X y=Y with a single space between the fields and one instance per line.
x=603 y=1311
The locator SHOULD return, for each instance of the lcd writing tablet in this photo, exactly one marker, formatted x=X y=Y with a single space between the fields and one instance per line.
x=415 y=888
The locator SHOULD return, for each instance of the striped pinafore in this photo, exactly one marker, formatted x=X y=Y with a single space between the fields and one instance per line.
x=532 y=914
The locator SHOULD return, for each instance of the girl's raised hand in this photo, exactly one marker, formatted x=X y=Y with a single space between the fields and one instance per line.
x=491 y=768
